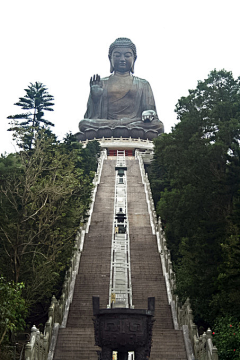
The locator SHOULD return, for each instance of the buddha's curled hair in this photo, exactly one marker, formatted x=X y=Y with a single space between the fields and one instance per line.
x=123 y=42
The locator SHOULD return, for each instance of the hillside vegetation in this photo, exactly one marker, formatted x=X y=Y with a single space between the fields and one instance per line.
x=195 y=180
x=45 y=194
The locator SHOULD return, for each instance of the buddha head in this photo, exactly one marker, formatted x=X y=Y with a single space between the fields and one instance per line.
x=122 y=55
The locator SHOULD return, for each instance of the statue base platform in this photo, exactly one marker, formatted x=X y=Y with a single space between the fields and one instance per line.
x=122 y=143
x=117 y=132
x=128 y=144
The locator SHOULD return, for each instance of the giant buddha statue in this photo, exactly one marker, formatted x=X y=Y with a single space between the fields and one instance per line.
x=120 y=104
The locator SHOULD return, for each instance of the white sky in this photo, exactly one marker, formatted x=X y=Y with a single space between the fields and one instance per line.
x=63 y=43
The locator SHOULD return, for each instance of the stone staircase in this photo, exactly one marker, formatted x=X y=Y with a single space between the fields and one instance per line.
x=146 y=271
x=76 y=341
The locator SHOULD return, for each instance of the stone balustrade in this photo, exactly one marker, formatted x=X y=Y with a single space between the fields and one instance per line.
x=150 y=203
x=41 y=345
x=198 y=347
x=123 y=143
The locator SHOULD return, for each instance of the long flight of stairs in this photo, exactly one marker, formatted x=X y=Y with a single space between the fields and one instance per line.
x=146 y=271
x=76 y=341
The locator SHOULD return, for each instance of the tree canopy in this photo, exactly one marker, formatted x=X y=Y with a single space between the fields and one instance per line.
x=195 y=179
x=12 y=308
x=36 y=101
x=44 y=198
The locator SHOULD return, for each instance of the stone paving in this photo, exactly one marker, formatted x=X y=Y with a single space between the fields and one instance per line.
x=76 y=341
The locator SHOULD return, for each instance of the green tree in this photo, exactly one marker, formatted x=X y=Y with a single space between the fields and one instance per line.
x=45 y=192
x=195 y=183
x=36 y=101
x=228 y=281
x=12 y=308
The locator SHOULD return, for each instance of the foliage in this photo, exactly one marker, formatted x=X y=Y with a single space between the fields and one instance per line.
x=195 y=183
x=12 y=308
x=45 y=194
x=45 y=191
x=228 y=281
x=226 y=337
x=36 y=100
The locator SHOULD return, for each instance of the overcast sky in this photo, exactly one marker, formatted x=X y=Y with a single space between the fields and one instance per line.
x=63 y=43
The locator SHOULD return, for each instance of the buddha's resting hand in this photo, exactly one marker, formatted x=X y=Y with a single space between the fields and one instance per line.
x=95 y=88
x=148 y=116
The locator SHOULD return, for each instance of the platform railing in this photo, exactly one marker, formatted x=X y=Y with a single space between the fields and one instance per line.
x=197 y=347
x=127 y=140
x=41 y=345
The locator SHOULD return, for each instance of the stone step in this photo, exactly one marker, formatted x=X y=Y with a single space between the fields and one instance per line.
x=76 y=341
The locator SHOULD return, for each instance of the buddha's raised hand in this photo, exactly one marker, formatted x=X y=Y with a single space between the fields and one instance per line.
x=96 y=89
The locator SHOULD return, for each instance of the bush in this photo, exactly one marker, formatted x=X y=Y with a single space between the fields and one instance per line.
x=226 y=337
x=12 y=308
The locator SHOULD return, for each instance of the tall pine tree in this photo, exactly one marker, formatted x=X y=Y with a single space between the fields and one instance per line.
x=36 y=101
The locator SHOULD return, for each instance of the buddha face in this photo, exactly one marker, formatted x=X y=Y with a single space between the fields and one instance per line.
x=122 y=59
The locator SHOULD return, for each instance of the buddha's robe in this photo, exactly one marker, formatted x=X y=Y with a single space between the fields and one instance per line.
x=122 y=102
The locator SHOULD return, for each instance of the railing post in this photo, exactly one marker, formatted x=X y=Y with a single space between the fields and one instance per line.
x=214 y=353
x=41 y=350
x=28 y=351
x=36 y=346
x=51 y=308
x=29 y=348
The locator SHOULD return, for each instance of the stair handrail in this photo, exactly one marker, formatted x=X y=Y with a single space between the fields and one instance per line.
x=96 y=181
x=41 y=345
x=150 y=203
x=201 y=347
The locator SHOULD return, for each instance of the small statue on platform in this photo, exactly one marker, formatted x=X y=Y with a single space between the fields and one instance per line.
x=120 y=104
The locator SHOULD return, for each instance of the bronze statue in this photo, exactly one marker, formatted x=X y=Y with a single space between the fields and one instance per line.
x=120 y=104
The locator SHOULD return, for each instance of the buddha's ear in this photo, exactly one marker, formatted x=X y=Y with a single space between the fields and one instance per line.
x=132 y=69
x=111 y=66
